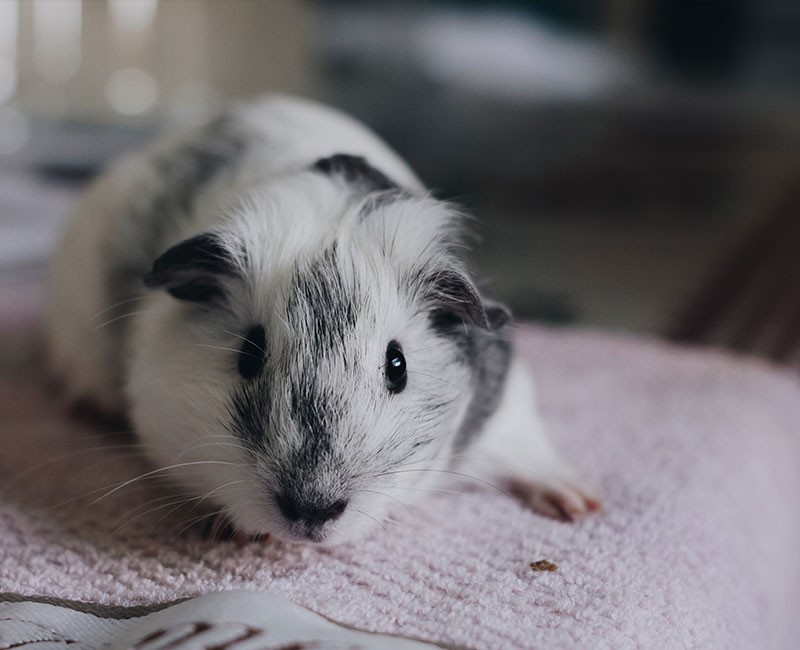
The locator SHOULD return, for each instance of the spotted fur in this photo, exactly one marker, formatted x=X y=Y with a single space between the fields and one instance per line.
x=180 y=174
x=279 y=251
x=356 y=171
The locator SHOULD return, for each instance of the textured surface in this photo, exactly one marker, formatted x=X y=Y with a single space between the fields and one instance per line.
x=697 y=455
x=224 y=620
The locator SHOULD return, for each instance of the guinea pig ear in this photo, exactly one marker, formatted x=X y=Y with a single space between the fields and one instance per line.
x=194 y=270
x=456 y=301
x=497 y=314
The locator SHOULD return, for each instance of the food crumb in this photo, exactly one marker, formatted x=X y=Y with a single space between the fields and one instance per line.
x=543 y=565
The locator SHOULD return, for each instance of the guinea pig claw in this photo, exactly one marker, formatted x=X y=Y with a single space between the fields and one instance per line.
x=563 y=501
x=594 y=504
x=242 y=539
x=559 y=507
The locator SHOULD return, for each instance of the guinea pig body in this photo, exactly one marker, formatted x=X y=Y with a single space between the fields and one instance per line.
x=281 y=309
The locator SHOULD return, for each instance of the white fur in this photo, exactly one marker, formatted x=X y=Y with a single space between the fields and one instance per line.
x=173 y=372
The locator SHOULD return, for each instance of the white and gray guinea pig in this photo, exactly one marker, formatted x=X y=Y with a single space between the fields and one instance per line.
x=280 y=308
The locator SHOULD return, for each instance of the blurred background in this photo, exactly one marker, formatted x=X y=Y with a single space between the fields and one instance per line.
x=632 y=164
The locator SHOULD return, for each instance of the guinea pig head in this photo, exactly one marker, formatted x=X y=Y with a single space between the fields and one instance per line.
x=309 y=363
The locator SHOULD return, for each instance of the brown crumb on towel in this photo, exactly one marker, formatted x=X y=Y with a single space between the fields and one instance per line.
x=543 y=565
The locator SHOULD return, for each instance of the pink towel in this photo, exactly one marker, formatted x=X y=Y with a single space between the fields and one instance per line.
x=696 y=453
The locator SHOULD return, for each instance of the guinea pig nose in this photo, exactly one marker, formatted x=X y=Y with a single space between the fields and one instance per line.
x=295 y=510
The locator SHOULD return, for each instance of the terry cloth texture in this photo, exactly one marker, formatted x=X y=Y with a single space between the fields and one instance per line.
x=696 y=454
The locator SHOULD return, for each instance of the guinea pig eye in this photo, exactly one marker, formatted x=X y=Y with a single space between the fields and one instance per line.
x=395 y=368
x=253 y=352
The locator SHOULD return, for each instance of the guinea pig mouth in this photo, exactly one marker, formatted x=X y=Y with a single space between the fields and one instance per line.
x=314 y=535
x=305 y=534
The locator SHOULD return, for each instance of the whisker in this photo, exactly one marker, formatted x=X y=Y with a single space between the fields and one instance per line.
x=193 y=521
x=448 y=471
x=209 y=436
x=487 y=459
x=429 y=490
x=61 y=457
x=409 y=353
x=389 y=496
x=377 y=521
x=114 y=320
x=425 y=374
x=88 y=494
x=404 y=524
x=208 y=444
x=90 y=437
x=181 y=502
x=167 y=514
x=217 y=489
x=283 y=322
x=227 y=440
x=114 y=306
x=145 y=504
x=219 y=347
x=161 y=469
x=177 y=504
x=238 y=336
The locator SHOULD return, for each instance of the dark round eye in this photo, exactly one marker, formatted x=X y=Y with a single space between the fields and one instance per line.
x=253 y=352
x=395 y=368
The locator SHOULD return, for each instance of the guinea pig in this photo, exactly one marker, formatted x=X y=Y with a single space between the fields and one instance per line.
x=282 y=311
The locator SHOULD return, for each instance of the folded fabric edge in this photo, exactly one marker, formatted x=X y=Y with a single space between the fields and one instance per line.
x=234 y=618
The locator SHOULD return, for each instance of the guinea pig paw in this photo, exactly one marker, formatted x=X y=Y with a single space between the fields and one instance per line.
x=563 y=500
x=242 y=539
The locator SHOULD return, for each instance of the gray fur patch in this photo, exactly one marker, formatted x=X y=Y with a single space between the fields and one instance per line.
x=144 y=233
x=356 y=171
x=378 y=200
x=359 y=174
x=489 y=357
x=185 y=171
x=322 y=306
x=196 y=162
x=316 y=415
x=322 y=311
x=249 y=412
